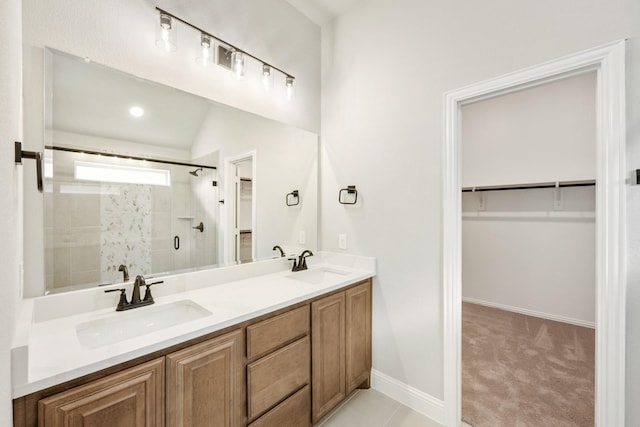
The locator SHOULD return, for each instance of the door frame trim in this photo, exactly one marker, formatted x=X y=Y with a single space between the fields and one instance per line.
x=229 y=163
x=609 y=63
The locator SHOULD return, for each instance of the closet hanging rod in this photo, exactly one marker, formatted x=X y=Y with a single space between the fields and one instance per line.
x=561 y=184
x=123 y=156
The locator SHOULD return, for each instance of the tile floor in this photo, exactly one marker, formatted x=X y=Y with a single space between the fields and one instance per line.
x=370 y=408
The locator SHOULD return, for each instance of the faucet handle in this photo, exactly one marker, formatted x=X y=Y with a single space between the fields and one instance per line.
x=295 y=263
x=123 y=298
x=147 y=292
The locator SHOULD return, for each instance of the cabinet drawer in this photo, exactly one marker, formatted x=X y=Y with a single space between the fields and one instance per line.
x=272 y=333
x=295 y=411
x=276 y=376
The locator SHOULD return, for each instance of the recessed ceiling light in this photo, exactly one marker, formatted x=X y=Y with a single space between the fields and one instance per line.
x=136 y=111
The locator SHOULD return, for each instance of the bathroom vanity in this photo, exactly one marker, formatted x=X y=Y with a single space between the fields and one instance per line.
x=294 y=347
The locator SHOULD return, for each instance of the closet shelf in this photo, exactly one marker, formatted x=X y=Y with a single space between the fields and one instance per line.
x=559 y=184
x=545 y=214
x=185 y=217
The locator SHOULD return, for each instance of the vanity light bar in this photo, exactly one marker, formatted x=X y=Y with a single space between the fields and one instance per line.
x=289 y=78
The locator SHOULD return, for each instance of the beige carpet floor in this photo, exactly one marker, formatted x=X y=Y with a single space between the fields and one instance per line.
x=524 y=371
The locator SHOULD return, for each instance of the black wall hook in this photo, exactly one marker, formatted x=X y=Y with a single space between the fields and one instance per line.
x=296 y=195
x=351 y=189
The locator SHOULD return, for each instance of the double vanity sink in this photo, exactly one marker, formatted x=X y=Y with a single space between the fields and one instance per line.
x=116 y=327
x=66 y=336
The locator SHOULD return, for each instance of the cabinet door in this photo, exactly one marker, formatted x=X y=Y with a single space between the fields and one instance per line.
x=358 y=330
x=328 y=353
x=131 y=398
x=205 y=383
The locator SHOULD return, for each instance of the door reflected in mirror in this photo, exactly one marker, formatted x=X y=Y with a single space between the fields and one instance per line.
x=242 y=224
x=211 y=192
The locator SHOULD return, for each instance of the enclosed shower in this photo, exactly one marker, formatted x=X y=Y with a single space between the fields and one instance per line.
x=151 y=216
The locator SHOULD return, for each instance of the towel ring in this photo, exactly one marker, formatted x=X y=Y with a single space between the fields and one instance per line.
x=296 y=195
x=351 y=189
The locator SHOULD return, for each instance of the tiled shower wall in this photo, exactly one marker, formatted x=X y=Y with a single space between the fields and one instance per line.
x=89 y=235
x=125 y=219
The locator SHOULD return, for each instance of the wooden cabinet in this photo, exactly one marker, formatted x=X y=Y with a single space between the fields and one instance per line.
x=205 y=383
x=328 y=353
x=204 y=387
x=130 y=398
x=341 y=346
x=280 y=370
x=358 y=336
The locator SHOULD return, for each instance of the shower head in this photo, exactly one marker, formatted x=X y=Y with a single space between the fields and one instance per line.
x=195 y=172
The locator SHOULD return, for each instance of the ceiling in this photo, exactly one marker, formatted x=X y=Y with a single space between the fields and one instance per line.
x=323 y=11
x=91 y=99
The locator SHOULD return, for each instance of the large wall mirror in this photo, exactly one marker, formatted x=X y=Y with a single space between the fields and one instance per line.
x=152 y=180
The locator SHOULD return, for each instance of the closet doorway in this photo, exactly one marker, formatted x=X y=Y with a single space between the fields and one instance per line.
x=528 y=256
x=609 y=64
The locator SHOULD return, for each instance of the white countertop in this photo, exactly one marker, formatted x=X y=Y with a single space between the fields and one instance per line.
x=47 y=350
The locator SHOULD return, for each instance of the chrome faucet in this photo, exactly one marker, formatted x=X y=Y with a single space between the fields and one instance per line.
x=125 y=272
x=135 y=302
x=301 y=263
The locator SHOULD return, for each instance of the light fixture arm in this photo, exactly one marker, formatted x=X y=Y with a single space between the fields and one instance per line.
x=164 y=12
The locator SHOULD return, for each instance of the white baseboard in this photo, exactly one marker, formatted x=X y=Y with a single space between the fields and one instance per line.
x=409 y=396
x=534 y=313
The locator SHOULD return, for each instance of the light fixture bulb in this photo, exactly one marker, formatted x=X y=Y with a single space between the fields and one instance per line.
x=267 y=77
x=205 y=50
x=166 y=33
x=136 y=111
x=290 y=86
x=238 y=65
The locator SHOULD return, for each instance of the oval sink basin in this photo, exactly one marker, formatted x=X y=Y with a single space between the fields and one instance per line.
x=124 y=325
x=316 y=276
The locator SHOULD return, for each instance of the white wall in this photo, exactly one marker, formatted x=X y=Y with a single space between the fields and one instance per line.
x=516 y=259
x=386 y=66
x=10 y=223
x=540 y=134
